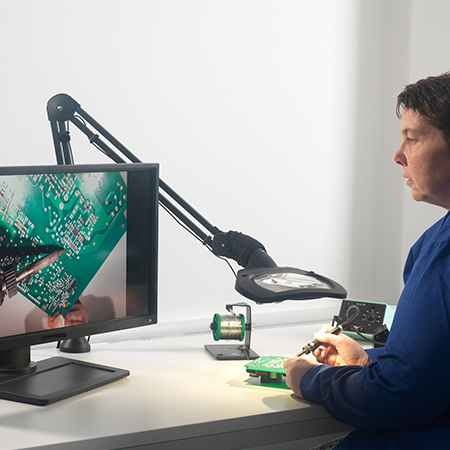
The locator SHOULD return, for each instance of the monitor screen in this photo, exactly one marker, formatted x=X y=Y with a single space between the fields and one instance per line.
x=78 y=255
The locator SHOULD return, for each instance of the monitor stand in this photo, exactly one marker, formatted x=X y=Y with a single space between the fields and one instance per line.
x=49 y=380
x=74 y=345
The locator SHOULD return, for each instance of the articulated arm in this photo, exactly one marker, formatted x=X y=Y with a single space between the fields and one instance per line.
x=260 y=280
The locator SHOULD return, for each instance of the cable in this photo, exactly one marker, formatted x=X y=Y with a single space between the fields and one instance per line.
x=366 y=338
x=311 y=346
x=339 y=321
x=171 y=214
x=348 y=321
x=174 y=217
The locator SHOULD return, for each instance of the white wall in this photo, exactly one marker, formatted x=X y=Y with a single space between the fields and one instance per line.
x=384 y=33
x=430 y=43
x=245 y=104
x=272 y=117
x=413 y=45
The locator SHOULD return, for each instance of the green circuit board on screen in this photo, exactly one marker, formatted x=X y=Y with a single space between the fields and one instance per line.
x=83 y=213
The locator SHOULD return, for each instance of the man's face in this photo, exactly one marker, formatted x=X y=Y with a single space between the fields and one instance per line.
x=424 y=155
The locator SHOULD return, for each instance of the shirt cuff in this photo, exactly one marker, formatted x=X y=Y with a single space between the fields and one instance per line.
x=307 y=382
x=375 y=352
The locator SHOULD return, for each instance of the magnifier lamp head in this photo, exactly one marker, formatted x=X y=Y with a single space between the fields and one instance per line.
x=263 y=281
x=276 y=284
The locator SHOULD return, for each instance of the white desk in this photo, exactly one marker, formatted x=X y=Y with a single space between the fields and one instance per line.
x=177 y=396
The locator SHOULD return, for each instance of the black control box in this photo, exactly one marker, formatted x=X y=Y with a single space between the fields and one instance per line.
x=371 y=315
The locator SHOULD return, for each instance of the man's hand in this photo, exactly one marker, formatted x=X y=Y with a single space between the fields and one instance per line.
x=295 y=371
x=339 y=349
x=336 y=350
x=76 y=316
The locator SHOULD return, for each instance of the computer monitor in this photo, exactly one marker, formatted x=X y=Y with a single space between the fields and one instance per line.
x=78 y=257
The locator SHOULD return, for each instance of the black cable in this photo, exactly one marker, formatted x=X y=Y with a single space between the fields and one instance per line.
x=340 y=321
x=174 y=217
x=366 y=338
x=311 y=346
x=180 y=223
x=348 y=321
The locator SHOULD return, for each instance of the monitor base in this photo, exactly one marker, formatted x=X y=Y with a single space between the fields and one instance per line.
x=55 y=379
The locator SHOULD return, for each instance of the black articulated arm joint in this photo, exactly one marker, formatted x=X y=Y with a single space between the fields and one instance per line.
x=61 y=108
x=245 y=250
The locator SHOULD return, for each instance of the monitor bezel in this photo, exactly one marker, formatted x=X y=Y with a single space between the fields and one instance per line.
x=29 y=339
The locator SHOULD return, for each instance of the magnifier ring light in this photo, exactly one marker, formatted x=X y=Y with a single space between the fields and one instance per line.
x=276 y=284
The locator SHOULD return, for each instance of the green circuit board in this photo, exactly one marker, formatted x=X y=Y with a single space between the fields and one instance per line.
x=269 y=368
x=83 y=213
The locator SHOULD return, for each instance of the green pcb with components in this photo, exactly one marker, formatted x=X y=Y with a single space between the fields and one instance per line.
x=82 y=213
x=269 y=368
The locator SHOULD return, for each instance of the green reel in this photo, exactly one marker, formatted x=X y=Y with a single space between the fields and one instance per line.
x=228 y=327
x=231 y=327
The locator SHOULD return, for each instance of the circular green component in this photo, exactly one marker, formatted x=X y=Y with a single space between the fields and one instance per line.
x=243 y=327
x=216 y=329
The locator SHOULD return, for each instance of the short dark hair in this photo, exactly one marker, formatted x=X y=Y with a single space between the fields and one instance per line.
x=429 y=97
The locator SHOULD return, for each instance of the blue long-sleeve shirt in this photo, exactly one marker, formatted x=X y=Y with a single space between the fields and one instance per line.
x=402 y=399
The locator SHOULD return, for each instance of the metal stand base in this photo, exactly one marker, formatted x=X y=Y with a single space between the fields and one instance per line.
x=231 y=352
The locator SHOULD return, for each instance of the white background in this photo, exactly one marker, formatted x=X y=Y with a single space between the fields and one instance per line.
x=271 y=117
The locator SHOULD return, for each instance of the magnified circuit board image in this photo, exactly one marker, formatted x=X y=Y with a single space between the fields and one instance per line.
x=76 y=219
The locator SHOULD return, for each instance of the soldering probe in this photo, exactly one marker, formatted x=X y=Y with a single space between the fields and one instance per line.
x=311 y=346
x=9 y=278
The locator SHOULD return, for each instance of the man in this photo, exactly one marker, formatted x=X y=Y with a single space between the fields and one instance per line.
x=398 y=396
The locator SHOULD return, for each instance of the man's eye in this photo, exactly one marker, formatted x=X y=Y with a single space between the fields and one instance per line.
x=412 y=140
